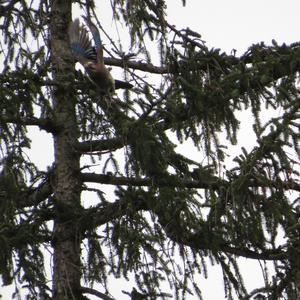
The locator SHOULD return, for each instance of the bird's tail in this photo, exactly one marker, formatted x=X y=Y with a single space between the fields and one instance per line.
x=122 y=85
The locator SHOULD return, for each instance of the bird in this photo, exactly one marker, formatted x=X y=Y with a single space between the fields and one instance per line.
x=91 y=57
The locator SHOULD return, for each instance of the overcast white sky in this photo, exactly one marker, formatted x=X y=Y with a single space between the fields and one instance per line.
x=230 y=24
x=239 y=23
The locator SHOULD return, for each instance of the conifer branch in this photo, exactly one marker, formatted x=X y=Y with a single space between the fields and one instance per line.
x=203 y=240
x=42 y=123
x=136 y=65
x=171 y=181
x=32 y=196
x=208 y=240
x=212 y=182
x=96 y=293
x=100 y=145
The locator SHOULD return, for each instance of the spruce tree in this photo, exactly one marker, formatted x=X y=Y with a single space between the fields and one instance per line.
x=170 y=216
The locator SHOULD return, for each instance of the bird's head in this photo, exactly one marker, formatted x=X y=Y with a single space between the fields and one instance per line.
x=91 y=67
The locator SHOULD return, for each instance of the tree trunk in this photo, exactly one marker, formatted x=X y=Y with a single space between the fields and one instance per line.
x=66 y=234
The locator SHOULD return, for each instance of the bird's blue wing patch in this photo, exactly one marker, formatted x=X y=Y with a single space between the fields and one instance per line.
x=79 y=50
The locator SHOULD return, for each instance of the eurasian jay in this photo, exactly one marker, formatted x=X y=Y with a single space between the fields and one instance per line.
x=92 y=57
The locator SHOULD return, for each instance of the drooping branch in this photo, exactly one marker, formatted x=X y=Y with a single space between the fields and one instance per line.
x=94 y=217
x=45 y=124
x=172 y=181
x=86 y=290
x=136 y=65
x=212 y=182
x=202 y=240
x=229 y=87
x=207 y=240
x=258 y=54
x=37 y=195
x=100 y=145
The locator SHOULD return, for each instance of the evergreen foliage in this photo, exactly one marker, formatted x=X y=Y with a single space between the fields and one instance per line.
x=171 y=216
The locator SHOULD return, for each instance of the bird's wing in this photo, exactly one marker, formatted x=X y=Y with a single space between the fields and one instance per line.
x=80 y=43
x=97 y=39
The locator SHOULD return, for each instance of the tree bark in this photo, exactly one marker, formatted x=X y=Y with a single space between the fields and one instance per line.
x=66 y=234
